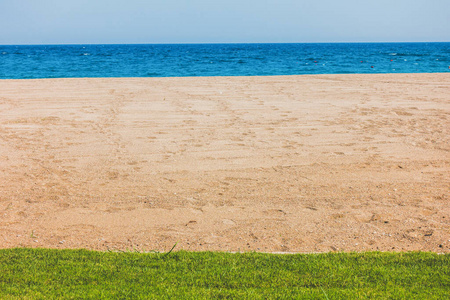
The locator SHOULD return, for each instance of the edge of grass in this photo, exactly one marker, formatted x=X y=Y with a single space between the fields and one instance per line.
x=46 y=273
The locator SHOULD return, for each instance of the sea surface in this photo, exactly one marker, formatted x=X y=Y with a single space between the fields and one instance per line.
x=63 y=61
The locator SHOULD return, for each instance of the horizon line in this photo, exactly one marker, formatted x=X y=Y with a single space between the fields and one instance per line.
x=218 y=43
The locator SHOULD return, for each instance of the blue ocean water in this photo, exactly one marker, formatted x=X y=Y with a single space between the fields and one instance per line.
x=62 y=61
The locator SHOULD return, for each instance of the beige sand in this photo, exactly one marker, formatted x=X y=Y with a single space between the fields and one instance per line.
x=288 y=163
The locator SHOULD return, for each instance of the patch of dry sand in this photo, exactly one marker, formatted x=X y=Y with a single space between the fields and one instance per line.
x=289 y=163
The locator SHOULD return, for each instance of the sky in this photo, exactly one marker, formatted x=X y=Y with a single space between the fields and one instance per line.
x=217 y=21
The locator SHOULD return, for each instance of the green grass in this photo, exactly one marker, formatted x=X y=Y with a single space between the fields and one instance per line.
x=43 y=273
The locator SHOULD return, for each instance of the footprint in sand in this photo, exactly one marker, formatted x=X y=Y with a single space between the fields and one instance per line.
x=228 y=222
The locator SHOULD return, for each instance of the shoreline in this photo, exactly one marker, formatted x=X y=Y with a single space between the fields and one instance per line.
x=290 y=163
x=228 y=76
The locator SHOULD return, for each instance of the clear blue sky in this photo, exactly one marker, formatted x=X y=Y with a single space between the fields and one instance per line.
x=217 y=21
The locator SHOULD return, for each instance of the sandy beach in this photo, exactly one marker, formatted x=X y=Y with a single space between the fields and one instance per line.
x=274 y=164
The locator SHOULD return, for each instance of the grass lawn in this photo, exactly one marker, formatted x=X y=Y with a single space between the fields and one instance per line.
x=43 y=273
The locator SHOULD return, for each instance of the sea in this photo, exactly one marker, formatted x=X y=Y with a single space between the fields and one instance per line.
x=182 y=60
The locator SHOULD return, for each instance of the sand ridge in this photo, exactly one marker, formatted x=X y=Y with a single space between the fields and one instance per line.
x=279 y=163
